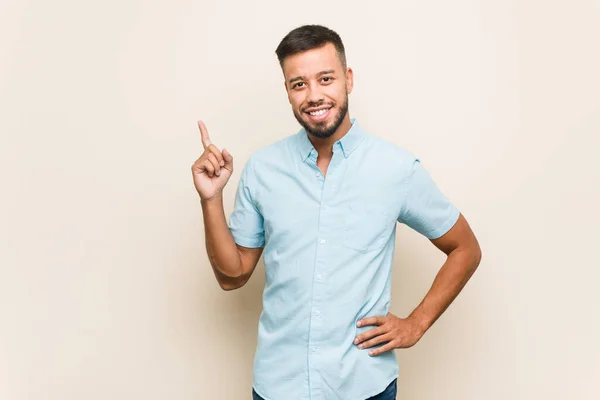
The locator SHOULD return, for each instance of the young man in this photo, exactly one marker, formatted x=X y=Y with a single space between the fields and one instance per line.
x=323 y=204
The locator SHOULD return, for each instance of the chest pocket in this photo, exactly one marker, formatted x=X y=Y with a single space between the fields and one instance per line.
x=367 y=227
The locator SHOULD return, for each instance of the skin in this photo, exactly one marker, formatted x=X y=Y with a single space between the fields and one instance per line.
x=463 y=257
x=232 y=264
x=316 y=79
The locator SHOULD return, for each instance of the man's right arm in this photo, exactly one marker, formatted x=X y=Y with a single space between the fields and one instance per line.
x=232 y=264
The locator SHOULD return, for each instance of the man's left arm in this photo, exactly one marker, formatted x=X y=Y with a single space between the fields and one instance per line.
x=464 y=255
x=426 y=210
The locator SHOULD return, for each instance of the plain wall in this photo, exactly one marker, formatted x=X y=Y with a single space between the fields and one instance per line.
x=105 y=287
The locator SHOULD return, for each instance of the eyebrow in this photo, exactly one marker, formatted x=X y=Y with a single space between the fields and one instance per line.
x=299 y=78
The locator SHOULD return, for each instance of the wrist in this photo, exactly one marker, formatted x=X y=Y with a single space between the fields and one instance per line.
x=420 y=323
x=208 y=202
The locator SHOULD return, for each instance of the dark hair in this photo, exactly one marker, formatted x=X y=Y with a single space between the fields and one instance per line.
x=309 y=37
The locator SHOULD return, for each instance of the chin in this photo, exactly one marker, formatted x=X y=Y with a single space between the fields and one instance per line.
x=321 y=129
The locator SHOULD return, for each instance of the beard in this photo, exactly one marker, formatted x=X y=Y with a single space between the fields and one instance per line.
x=320 y=129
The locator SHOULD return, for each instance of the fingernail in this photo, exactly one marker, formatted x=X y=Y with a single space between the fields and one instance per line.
x=218 y=173
x=360 y=346
x=222 y=163
x=358 y=323
x=356 y=341
x=370 y=353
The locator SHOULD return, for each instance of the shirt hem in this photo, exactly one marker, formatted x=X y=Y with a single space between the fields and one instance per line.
x=245 y=242
x=379 y=391
x=450 y=222
x=365 y=396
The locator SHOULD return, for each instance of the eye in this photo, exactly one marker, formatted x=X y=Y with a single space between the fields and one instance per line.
x=296 y=85
x=327 y=79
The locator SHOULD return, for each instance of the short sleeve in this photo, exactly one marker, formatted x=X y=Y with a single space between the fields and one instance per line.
x=425 y=208
x=246 y=222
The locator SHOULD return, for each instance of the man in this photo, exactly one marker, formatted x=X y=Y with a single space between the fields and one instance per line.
x=323 y=204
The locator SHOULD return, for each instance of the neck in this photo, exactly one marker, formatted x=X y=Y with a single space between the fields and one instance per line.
x=325 y=146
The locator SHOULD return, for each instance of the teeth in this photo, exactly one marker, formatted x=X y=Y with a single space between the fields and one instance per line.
x=320 y=112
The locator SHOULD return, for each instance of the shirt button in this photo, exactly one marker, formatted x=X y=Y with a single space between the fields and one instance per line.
x=322 y=241
x=317 y=174
x=314 y=349
x=317 y=313
x=319 y=277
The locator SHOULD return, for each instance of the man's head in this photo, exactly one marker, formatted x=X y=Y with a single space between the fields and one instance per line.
x=317 y=80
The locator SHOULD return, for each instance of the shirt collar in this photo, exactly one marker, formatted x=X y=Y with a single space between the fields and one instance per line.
x=348 y=143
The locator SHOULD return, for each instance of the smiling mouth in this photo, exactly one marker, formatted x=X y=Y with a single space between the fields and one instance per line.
x=318 y=115
x=318 y=112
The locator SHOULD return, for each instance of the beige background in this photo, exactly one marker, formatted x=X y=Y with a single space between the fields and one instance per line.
x=105 y=287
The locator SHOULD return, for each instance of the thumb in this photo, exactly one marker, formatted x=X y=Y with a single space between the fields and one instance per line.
x=228 y=160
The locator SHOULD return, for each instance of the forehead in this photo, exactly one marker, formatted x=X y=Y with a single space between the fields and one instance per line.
x=311 y=62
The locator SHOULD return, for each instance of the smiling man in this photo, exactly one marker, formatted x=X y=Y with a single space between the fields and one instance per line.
x=323 y=204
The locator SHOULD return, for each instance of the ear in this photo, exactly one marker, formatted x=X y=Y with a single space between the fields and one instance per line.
x=349 y=80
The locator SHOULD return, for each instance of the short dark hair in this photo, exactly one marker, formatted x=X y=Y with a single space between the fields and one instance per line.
x=309 y=37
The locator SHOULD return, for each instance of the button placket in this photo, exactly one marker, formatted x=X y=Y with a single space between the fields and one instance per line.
x=325 y=186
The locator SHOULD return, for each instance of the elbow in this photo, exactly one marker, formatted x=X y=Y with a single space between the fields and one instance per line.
x=469 y=254
x=470 y=257
x=230 y=283
x=228 y=287
x=226 y=281
x=476 y=257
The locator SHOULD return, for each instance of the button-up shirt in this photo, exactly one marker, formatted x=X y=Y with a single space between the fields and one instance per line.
x=328 y=249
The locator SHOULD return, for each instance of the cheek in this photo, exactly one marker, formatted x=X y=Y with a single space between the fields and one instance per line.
x=296 y=102
x=337 y=93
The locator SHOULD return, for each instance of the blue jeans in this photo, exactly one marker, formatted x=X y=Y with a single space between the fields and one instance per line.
x=388 y=394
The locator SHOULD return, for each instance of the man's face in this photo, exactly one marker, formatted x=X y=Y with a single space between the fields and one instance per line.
x=318 y=89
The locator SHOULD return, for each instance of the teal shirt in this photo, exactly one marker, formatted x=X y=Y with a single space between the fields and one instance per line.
x=328 y=250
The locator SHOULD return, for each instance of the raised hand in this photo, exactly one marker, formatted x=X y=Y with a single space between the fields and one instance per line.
x=213 y=169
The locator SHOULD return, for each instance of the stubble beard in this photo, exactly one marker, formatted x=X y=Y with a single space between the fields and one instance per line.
x=320 y=129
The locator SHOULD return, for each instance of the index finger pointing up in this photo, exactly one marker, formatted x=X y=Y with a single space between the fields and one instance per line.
x=204 y=134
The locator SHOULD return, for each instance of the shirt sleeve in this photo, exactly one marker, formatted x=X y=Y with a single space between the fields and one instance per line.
x=425 y=208
x=246 y=222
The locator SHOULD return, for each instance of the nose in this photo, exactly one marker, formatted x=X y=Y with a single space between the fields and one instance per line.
x=314 y=95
